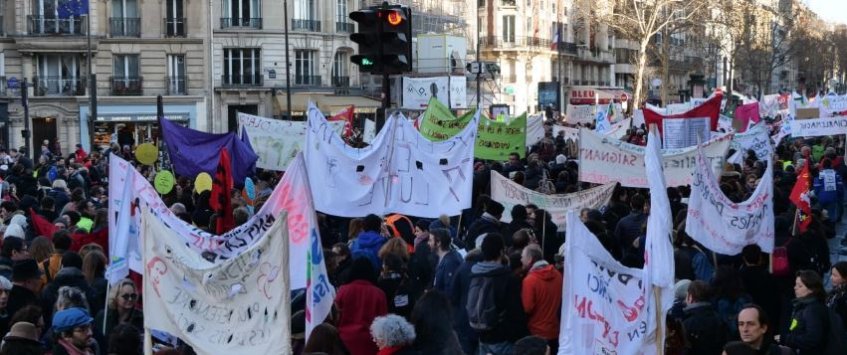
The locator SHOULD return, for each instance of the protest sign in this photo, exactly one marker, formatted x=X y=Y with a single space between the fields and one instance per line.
x=604 y=160
x=370 y=131
x=534 y=129
x=241 y=305
x=757 y=139
x=710 y=108
x=418 y=92
x=814 y=127
x=276 y=142
x=510 y=194
x=618 y=130
x=637 y=118
x=569 y=132
x=606 y=306
x=833 y=105
x=400 y=172
x=725 y=226
x=495 y=140
x=685 y=132
x=580 y=114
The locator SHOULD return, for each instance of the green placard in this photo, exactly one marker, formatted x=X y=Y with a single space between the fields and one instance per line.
x=494 y=141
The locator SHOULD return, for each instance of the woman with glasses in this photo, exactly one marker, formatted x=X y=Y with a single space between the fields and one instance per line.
x=121 y=305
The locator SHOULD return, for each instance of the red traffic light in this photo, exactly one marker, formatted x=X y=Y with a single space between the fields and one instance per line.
x=394 y=18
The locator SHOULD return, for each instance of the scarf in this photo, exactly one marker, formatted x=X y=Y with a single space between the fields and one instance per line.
x=838 y=294
x=73 y=350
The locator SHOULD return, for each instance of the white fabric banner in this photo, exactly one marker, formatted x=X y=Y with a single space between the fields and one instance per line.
x=814 y=127
x=276 y=142
x=124 y=245
x=418 y=91
x=619 y=129
x=606 y=307
x=725 y=123
x=510 y=194
x=832 y=104
x=724 y=226
x=755 y=138
x=370 y=131
x=534 y=129
x=603 y=160
x=637 y=118
x=580 y=114
x=400 y=172
x=239 y=306
x=458 y=92
x=287 y=194
x=570 y=132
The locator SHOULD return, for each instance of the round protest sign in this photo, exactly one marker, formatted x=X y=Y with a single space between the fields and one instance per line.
x=146 y=153
x=164 y=182
x=203 y=182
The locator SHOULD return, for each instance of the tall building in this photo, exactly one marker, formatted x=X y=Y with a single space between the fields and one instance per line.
x=141 y=50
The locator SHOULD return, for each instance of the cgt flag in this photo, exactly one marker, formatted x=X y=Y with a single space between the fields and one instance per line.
x=221 y=198
x=800 y=197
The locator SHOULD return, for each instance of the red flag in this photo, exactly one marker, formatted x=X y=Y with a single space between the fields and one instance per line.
x=800 y=197
x=711 y=109
x=42 y=226
x=221 y=198
x=347 y=116
x=99 y=237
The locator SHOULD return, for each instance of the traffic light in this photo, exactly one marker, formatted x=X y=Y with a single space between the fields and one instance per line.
x=384 y=38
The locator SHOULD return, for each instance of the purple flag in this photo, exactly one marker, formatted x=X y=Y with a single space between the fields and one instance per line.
x=192 y=151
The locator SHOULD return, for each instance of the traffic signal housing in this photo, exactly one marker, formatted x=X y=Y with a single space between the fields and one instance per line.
x=384 y=37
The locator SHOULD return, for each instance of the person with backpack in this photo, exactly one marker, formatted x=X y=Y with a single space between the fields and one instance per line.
x=808 y=330
x=705 y=332
x=754 y=328
x=369 y=241
x=494 y=304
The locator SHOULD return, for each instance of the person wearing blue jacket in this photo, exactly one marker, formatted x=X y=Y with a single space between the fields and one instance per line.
x=449 y=259
x=369 y=241
x=829 y=189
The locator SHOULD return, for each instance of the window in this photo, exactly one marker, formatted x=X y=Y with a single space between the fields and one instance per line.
x=305 y=9
x=339 y=70
x=176 y=74
x=175 y=20
x=241 y=66
x=58 y=74
x=125 y=75
x=305 y=63
x=509 y=29
x=124 y=21
x=241 y=13
x=341 y=11
x=45 y=19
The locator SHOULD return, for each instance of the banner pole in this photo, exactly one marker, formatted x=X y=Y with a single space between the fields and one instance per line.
x=660 y=344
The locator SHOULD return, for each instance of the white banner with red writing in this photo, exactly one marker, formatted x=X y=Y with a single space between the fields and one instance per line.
x=238 y=306
x=277 y=142
x=510 y=194
x=725 y=226
x=603 y=160
x=606 y=306
x=757 y=139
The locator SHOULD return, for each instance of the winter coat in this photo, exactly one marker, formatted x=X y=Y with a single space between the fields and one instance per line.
x=541 y=296
x=828 y=193
x=483 y=225
x=367 y=245
x=837 y=302
x=69 y=276
x=400 y=293
x=447 y=266
x=458 y=299
x=628 y=229
x=808 y=328
x=508 y=302
x=359 y=303
x=704 y=330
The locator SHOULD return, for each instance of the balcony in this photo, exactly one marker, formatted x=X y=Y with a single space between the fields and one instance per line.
x=498 y=43
x=127 y=85
x=255 y=79
x=229 y=22
x=566 y=48
x=176 y=85
x=175 y=27
x=340 y=81
x=44 y=26
x=58 y=86
x=307 y=80
x=344 y=27
x=125 y=27
x=305 y=25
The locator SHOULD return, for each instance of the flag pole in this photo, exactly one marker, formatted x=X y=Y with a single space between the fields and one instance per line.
x=92 y=83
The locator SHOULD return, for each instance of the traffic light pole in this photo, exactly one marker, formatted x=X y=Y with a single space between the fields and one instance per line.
x=386 y=81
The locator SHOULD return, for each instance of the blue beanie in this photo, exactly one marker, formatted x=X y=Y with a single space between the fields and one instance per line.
x=69 y=319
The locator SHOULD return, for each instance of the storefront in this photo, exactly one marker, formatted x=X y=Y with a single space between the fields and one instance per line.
x=131 y=124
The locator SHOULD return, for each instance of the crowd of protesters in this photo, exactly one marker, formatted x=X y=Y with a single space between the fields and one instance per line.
x=469 y=284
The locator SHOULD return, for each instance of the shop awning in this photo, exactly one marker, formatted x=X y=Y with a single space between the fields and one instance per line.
x=326 y=102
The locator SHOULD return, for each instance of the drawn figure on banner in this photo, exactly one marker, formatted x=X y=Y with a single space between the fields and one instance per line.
x=155 y=269
x=267 y=275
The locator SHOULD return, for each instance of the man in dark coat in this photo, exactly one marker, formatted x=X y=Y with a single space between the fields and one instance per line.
x=488 y=223
x=705 y=333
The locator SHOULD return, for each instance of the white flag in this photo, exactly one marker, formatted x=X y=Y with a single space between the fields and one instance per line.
x=123 y=240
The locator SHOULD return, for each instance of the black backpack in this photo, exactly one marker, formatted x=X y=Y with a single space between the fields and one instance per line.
x=483 y=313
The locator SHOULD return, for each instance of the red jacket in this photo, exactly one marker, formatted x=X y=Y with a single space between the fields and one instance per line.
x=541 y=296
x=359 y=303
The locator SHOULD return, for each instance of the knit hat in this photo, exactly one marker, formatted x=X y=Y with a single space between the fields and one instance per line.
x=69 y=319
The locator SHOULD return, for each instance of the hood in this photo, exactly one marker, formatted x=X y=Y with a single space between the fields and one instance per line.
x=20 y=220
x=489 y=268
x=545 y=273
x=370 y=239
x=69 y=273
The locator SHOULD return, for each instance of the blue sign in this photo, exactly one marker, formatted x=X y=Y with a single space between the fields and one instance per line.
x=13 y=83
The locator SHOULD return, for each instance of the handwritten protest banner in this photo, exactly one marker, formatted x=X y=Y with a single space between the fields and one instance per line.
x=725 y=226
x=534 y=129
x=757 y=139
x=495 y=140
x=276 y=142
x=833 y=105
x=241 y=305
x=604 y=160
x=580 y=114
x=814 y=127
x=606 y=306
x=510 y=194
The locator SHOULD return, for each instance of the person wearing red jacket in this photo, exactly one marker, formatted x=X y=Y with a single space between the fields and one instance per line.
x=541 y=295
x=359 y=302
x=80 y=154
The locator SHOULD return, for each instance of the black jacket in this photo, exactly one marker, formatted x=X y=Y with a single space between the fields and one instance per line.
x=837 y=302
x=809 y=334
x=704 y=331
x=508 y=302
x=69 y=276
x=483 y=225
x=20 y=297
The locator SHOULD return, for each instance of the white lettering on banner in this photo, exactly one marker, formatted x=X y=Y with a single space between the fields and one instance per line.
x=241 y=305
x=606 y=307
x=724 y=226
x=510 y=194
x=814 y=127
x=276 y=142
x=400 y=172
x=757 y=139
x=287 y=194
x=604 y=160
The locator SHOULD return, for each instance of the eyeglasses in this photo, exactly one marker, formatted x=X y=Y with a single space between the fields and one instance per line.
x=129 y=296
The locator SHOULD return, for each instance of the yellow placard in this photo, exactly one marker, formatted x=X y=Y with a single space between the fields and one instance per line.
x=203 y=182
x=164 y=182
x=146 y=153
